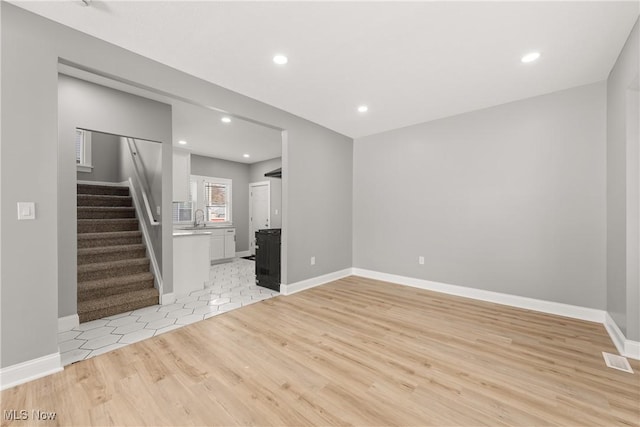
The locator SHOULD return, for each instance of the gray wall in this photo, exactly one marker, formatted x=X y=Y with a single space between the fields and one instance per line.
x=317 y=163
x=90 y=106
x=239 y=174
x=622 y=193
x=256 y=174
x=508 y=199
x=105 y=158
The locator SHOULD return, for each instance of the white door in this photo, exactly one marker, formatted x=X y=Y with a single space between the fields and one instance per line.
x=259 y=210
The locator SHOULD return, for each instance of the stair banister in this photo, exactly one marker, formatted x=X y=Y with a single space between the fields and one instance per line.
x=142 y=180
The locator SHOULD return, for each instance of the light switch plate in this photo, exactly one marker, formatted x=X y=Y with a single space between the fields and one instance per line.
x=26 y=210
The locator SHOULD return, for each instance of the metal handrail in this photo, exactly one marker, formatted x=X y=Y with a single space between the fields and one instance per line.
x=142 y=179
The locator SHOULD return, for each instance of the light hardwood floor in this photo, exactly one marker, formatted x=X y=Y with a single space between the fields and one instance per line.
x=353 y=352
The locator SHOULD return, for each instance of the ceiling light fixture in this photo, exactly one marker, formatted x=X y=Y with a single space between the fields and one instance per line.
x=530 y=57
x=226 y=120
x=182 y=142
x=363 y=109
x=280 y=59
x=246 y=156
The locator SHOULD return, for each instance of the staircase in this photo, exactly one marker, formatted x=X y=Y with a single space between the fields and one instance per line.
x=113 y=269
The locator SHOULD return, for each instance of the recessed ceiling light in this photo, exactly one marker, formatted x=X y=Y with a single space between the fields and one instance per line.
x=245 y=155
x=363 y=109
x=182 y=142
x=280 y=59
x=226 y=120
x=530 y=57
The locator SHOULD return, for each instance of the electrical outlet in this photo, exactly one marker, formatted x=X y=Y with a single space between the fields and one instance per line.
x=421 y=260
x=313 y=260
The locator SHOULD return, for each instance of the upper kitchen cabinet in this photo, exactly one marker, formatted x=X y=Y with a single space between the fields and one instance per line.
x=181 y=174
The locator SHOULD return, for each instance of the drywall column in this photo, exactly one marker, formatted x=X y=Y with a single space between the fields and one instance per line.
x=622 y=190
x=29 y=173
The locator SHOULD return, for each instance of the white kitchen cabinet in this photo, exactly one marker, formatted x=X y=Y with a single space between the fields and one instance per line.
x=230 y=243
x=181 y=175
x=190 y=262
x=223 y=244
x=217 y=247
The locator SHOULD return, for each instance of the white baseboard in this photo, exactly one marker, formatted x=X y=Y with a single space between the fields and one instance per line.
x=243 y=254
x=626 y=348
x=30 y=370
x=67 y=323
x=169 y=298
x=292 y=288
x=550 y=307
x=632 y=349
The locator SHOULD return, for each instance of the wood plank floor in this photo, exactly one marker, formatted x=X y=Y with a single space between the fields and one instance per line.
x=354 y=352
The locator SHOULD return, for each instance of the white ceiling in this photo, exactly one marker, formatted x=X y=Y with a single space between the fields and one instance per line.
x=201 y=127
x=410 y=62
x=206 y=134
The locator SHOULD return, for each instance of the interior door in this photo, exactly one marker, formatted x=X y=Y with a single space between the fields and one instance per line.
x=259 y=210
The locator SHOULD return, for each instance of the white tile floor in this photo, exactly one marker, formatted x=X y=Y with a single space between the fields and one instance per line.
x=232 y=285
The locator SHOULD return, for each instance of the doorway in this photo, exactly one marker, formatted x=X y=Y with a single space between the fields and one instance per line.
x=259 y=210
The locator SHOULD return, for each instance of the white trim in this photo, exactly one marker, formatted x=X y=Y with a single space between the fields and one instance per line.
x=258 y=184
x=147 y=239
x=109 y=184
x=615 y=333
x=302 y=285
x=550 y=307
x=242 y=254
x=169 y=298
x=30 y=370
x=632 y=349
x=84 y=168
x=625 y=347
x=67 y=323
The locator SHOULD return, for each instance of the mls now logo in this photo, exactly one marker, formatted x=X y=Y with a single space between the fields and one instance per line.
x=15 y=415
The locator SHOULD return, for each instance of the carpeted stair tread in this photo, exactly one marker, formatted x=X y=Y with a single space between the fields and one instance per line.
x=107 y=306
x=106 y=212
x=113 y=190
x=86 y=200
x=107 y=225
x=110 y=253
x=111 y=234
x=113 y=268
x=112 y=238
x=99 y=270
x=114 y=285
x=108 y=249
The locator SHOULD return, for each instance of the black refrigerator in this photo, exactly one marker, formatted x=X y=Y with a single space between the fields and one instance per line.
x=268 y=258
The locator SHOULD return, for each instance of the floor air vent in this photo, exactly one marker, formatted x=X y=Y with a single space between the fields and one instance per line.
x=617 y=362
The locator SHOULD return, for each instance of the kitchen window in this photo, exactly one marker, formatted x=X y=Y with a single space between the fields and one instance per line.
x=217 y=200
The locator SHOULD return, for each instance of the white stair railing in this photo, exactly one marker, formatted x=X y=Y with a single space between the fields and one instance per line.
x=141 y=178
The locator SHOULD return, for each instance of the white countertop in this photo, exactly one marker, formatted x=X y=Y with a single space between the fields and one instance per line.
x=181 y=233
x=189 y=231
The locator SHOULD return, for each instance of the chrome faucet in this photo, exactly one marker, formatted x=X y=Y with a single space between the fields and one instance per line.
x=195 y=217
